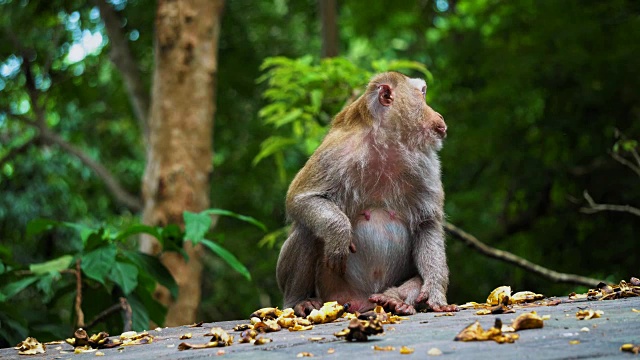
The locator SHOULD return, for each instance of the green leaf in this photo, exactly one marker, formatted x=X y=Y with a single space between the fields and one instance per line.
x=137 y=229
x=45 y=284
x=272 y=145
x=55 y=265
x=139 y=317
x=11 y=289
x=125 y=275
x=228 y=257
x=98 y=263
x=196 y=226
x=152 y=266
x=37 y=226
x=244 y=218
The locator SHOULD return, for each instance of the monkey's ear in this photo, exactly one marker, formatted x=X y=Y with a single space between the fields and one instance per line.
x=385 y=95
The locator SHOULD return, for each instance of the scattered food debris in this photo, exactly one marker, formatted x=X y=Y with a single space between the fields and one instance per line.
x=219 y=338
x=304 y=354
x=331 y=351
x=574 y=342
x=316 y=338
x=383 y=348
x=359 y=330
x=588 y=314
x=186 y=336
x=434 y=352
x=527 y=321
x=406 y=350
x=630 y=348
x=99 y=353
x=585 y=329
x=30 y=346
x=329 y=312
x=474 y=332
x=261 y=341
x=611 y=292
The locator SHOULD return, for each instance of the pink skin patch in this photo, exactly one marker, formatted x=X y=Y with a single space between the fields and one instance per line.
x=367 y=214
x=392 y=214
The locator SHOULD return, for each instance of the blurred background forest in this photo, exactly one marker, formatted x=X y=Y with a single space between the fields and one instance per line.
x=542 y=100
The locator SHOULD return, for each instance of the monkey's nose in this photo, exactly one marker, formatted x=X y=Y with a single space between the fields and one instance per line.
x=441 y=130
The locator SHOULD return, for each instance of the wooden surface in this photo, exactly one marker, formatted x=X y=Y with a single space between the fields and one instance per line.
x=618 y=325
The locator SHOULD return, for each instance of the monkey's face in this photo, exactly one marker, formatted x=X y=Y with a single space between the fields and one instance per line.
x=403 y=111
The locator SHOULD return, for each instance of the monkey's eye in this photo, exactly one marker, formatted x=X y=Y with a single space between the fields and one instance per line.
x=424 y=90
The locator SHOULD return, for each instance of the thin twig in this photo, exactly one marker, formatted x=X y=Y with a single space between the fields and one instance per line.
x=78 y=304
x=626 y=162
x=127 y=315
x=510 y=258
x=121 y=56
x=595 y=207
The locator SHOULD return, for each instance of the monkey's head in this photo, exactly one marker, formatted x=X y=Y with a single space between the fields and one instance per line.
x=398 y=106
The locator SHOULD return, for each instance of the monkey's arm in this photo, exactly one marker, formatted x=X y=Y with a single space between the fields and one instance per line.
x=431 y=261
x=320 y=215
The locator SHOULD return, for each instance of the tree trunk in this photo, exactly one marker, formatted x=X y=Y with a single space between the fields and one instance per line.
x=329 y=22
x=180 y=150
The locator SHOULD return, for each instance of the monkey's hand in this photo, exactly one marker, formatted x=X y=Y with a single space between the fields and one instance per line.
x=336 y=259
x=436 y=300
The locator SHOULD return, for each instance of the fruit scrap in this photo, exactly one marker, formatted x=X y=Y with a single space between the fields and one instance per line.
x=384 y=317
x=406 y=350
x=525 y=296
x=100 y=340
x=359 y=330
x=474 y=332
x=220 y=336
x=498 y=295
x=527 y=321
x=268 y=313
x=588 y=314
x=30 y=346
x=329 y=312
x=383 y=348
x=630 y=348
x=267 y=326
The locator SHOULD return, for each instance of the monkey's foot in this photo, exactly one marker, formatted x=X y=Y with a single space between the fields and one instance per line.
x=443 y=308
x=393 y=304
x=304 y=307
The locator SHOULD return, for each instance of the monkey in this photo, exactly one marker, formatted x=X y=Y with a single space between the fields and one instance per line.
x=366 y=210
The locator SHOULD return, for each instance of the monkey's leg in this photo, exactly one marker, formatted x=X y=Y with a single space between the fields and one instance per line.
x=431 y=261
x=400 y=300
x=296 y=271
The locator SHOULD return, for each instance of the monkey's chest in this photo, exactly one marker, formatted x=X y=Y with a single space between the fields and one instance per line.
x=383 y=252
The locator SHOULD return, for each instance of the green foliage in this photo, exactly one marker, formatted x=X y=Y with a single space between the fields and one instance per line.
x=304 y=94
x=110 y=269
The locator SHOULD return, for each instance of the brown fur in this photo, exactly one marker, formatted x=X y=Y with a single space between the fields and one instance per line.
x=367 y=208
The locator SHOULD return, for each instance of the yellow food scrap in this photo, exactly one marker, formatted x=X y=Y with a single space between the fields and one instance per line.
x=406 y=350
x=30 y=346
x=434 y=352
x=525 y=296
x=527 y=321
x=475 y=332
x=588 y=314
x=304 y=354
x=329 y=312
x=383 y=348
x=498 y=294
x=574 y=342
x=630 y=348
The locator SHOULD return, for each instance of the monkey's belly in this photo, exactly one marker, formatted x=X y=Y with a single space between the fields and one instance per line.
x=383 y=253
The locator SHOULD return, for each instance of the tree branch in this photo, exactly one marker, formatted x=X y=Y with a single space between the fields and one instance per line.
x=127 y=315
x=17 y=151
x=510 y=258
x=121 y=56
x=594 y=207
x=121 y=195
x=131 y=201
x=627 y=163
